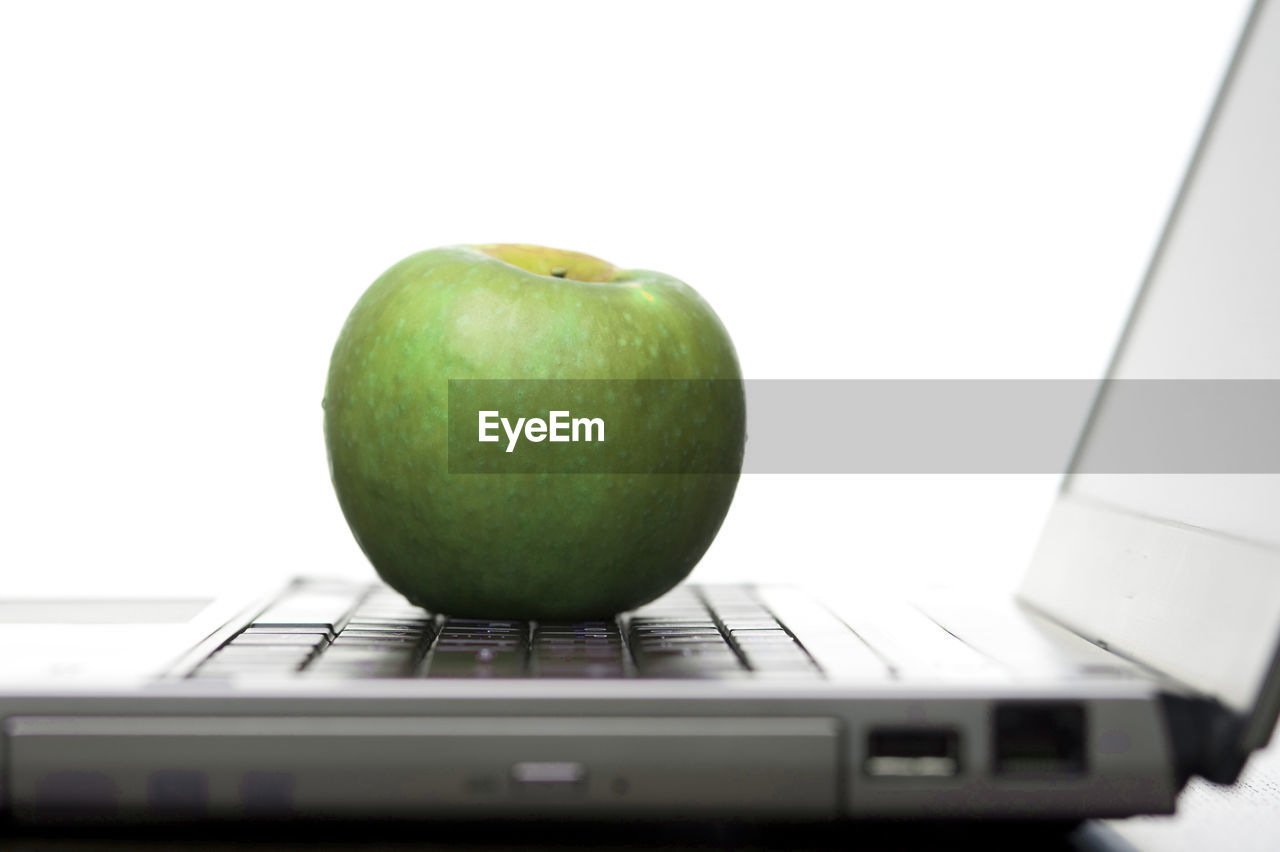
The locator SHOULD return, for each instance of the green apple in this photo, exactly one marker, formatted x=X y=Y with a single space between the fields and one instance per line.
x=516 y=522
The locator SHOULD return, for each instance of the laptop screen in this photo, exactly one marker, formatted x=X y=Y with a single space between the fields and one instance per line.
x=1210 y=310
x=1177 y=563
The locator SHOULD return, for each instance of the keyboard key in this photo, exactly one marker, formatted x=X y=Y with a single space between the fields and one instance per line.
x=221 y=661
x=483 y=630
x=237 y=675
x=643 y=633
x=792 y=659
x=545 y=656
x=691 y=626
x=254 y=661
x=582 y=669
x=303 y=608
x=362 y=662
x=581 y=631
x=687 y=662
x=348 y=641
x=761 y=623
x=613 y=646
x=309 y=640
x=401 y=613
x=224 y=661
x=303 y=630
x=384 y=611
x=487 y=624
x=581 y=649
x=682 y=643
x=359 y=621
x=355 y=630
x=495 y=642
x=476 y=662
x=336 y=654
x=598 y=639
x=641 y=621
x=764 y=643
x=261 y=652
x=479 y=648
x=702 y=630
x=576 y=646
x=683 y=640
x=686 y=667
x=760 y=632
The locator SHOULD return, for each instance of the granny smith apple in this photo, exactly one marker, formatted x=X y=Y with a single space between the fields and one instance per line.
x=522 y=432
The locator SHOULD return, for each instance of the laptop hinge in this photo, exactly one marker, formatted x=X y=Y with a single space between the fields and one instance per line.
x=1206 y=737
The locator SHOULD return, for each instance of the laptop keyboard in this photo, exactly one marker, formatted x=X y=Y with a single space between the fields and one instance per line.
x=329 y=631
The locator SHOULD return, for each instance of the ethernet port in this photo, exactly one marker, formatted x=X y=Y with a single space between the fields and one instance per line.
x=1039 y=738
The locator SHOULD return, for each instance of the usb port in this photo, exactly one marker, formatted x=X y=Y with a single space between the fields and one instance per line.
x=1039 y=738
x=912 y=753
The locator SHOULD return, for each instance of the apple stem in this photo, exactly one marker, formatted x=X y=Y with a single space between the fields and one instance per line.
x=560 y=272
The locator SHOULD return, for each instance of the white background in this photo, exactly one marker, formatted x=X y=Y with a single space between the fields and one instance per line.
x=192 y=197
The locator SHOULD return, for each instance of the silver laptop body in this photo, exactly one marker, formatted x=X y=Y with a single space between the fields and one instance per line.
x=1142 y=649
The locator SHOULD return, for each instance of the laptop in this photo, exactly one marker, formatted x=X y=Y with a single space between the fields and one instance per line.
x=1142 y=648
